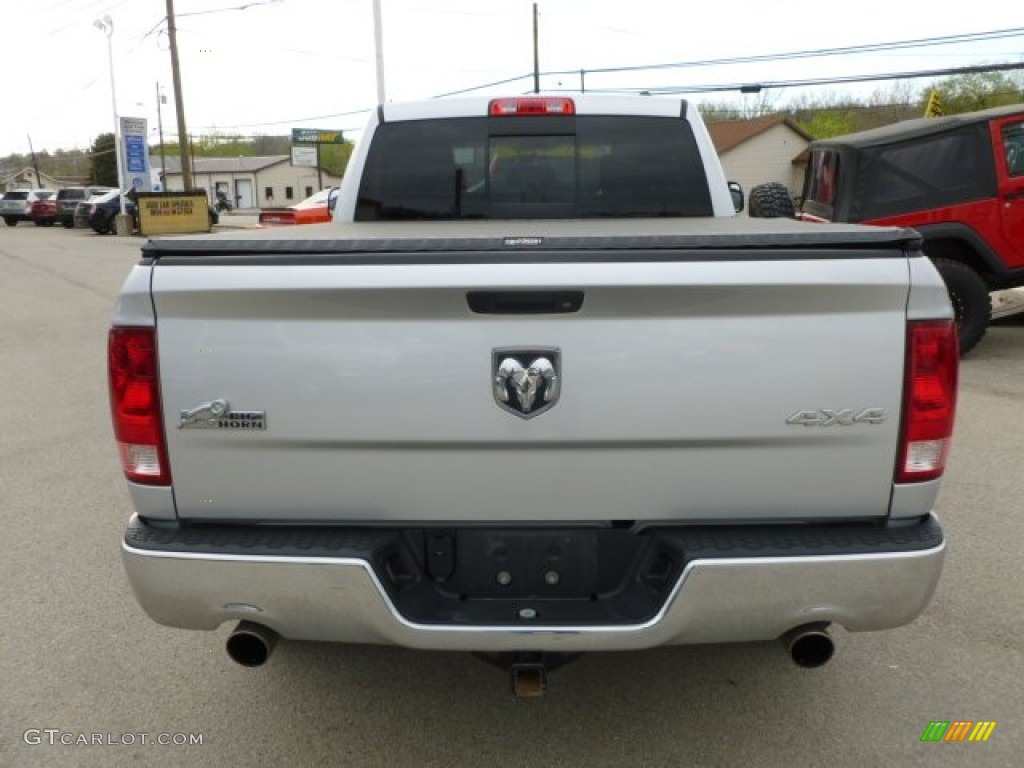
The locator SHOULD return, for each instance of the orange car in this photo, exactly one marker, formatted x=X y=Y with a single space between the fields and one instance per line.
x=312 y=210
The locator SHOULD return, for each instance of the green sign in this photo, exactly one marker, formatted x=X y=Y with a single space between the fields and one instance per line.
x=316 y=136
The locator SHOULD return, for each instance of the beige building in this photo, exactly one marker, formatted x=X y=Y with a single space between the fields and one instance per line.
x=250 y=182
x=26 y=179
x=761 y=150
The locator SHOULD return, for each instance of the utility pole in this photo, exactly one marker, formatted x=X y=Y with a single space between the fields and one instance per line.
x=35 y=164
x=179 y=102
x=536 y=54
x=160 y=124
x=319 y=169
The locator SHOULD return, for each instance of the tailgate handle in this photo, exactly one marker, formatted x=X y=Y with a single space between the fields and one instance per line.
x=524 y=302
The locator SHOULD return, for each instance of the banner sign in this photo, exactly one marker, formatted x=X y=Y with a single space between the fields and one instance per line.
x=316 y=136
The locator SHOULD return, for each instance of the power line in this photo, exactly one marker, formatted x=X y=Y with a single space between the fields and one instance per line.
x=923 y=42
x=843 y=106
x=490 y=85
x=767 y=85
x=295 y=119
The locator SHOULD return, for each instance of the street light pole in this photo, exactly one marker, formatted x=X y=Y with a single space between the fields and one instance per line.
x=106 y=25
x=378 y=45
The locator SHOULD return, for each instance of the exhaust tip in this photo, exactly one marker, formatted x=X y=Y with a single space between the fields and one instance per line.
x=251 y=644
x=811 y=646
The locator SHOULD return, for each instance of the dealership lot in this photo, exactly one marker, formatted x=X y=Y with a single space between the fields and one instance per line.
x=78 y=658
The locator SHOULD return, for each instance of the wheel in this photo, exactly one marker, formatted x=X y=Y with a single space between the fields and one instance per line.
x=972 y=304
x=771 y=201
x=68 y=224
x=10 y=221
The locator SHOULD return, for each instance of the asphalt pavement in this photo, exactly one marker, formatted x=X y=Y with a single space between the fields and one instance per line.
x=79 y=661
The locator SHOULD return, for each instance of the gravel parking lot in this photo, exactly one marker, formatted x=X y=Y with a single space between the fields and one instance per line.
x=78 y=658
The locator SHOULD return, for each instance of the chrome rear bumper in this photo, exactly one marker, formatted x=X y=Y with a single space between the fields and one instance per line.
x=715 y=599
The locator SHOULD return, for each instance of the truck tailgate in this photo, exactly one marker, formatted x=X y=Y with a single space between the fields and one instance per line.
x=677 y=381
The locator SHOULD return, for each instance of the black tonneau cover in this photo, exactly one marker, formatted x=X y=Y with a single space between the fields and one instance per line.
x=656 y=239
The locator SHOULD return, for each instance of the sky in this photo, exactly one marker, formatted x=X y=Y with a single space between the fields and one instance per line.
x=255 y=67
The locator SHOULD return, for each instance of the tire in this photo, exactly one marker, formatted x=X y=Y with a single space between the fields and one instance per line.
x=771 y=201
x=68 y=224
x=972 y=304
x=10 y=221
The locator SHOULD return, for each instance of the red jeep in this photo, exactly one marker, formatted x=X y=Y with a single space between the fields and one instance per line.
x=958 y=180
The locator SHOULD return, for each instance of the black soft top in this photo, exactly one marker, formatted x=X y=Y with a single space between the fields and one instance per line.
x=922 y=126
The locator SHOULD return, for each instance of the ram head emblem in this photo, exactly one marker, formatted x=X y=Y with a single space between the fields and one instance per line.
x=526 y=382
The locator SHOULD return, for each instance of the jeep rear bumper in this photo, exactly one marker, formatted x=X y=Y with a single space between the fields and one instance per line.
x=710 y=584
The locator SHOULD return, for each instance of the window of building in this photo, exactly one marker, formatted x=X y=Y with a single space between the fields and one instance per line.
x=309 y=191
x=288 y=193
x=268 y=193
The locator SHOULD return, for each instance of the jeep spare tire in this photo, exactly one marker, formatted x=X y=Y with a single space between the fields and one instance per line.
x=771 y=201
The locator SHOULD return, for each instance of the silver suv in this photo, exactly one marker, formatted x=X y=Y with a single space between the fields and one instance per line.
x=17 y=204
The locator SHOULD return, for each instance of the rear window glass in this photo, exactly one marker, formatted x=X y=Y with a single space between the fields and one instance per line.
x=589 y=166
x=71 y=194
x=44 y=195
x=929 y=172
x=16 y=195
x=822 y=175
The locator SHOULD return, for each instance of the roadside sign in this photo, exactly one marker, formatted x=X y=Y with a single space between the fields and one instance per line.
x=304 y=157
x=173 y=212
x=136 y=154
x=316 y=136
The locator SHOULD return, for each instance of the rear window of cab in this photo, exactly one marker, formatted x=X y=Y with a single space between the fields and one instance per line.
x=528 y=167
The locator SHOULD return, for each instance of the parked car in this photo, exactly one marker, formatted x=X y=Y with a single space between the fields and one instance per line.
x=43 y=212
x=69 y=198
x=16 y=205
x=313 y=210
x=103 y=208
x=82 y=211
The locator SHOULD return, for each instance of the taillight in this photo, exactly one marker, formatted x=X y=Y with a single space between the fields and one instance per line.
x=929 y=400
x=532 y=105
x=135 y=405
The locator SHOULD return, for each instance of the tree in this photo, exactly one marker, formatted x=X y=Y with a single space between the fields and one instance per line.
x=976 y=90
x=334 y=157
x=103 y=161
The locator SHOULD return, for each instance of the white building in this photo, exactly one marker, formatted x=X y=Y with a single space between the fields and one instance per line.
x=250 y=182
x=764 y=149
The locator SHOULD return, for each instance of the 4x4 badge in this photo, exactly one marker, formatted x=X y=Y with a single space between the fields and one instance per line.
x=526 y=382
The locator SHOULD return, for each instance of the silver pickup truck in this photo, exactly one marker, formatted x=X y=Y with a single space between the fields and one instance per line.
x=537 y=390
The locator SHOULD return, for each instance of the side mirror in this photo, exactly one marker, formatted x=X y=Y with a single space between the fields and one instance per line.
x=737 y=195
x=332 y=199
